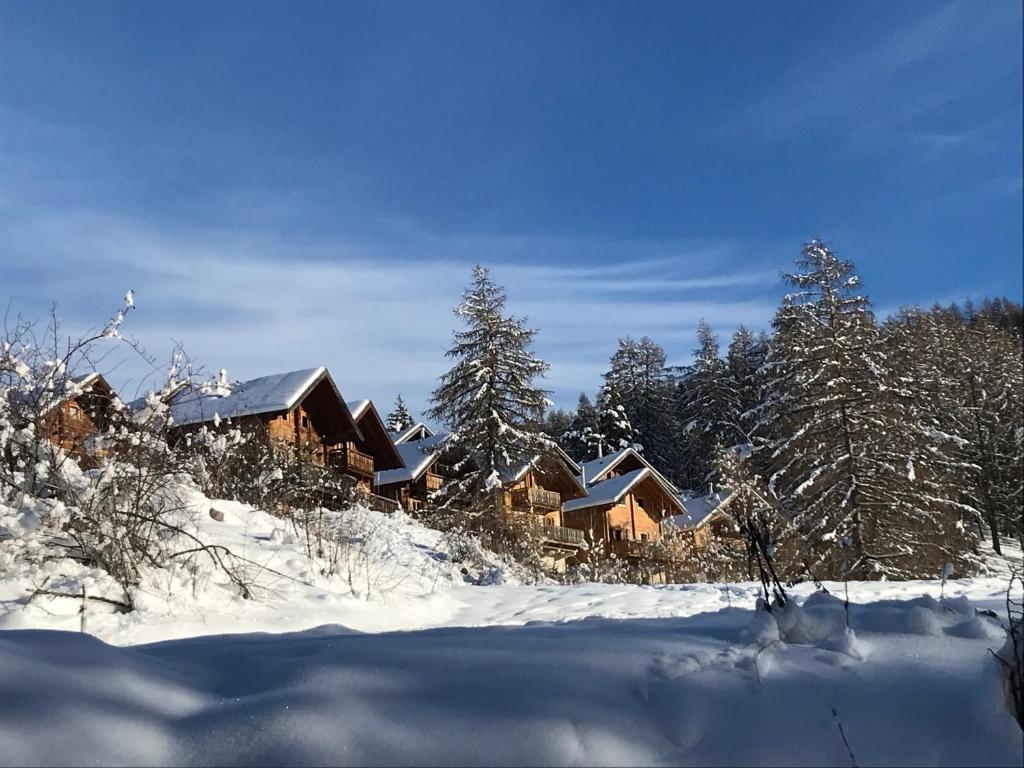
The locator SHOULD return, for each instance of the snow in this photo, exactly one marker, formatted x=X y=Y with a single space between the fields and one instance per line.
x=698 y=689
x=266 y=394
x=397 y=658
x=419 y=428
x=596 y=469
x=417 y=456
x=698 y=509
x=357 y=407
x=608 y=491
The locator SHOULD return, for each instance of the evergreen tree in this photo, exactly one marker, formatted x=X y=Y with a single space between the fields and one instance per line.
x=966 y=379
x=614 y=429
x=556 y=422
x=848 y=458
x=709 y=409
x=399 y=419
x=744 y=359
x=577 y=438
x=493 y=407
x=638 y=375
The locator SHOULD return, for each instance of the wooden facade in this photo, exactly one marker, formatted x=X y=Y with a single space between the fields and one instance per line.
x=367 y=453
x=425 y=470
x=74 y=422
x=635 y=516
x=540 y=491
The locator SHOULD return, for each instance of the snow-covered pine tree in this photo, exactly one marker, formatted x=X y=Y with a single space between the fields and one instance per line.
x=577 y=438
x=966 y=381
x=744 y=360
x=614 y=429
x=399 y=419
x=492 y=405
x=847 y=458
x=638 y=375
x=709 y=409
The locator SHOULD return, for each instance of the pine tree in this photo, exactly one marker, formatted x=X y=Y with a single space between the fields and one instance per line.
x=966 y=381
x=638 y=375
x=709 y=409
x=577 y=438
x=399 y=419
x=744 y=360
x=614 y=429
x=848 y=459
x=492 y=405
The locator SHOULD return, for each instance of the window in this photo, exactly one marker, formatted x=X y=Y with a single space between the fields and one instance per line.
x=644 y=537
x=618 y=534
x=639 y=502
x=305 y=421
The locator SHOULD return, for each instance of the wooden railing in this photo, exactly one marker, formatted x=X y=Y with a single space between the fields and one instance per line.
x=382 y=503
x=561 y=535
x=634 y=548
x=352 y=461
x=537 y=498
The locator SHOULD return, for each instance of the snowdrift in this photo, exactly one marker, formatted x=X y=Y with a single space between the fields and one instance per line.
x=921 y=689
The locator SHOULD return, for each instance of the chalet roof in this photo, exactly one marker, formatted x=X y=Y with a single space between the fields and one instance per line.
x=357 y=407
x=375 y=437
x=418 y=456
x=76 y=386
x=608 y=491
x=267 y=394
x=569 y=467
x=596 y=469
x=409 y=433
x=698 y=510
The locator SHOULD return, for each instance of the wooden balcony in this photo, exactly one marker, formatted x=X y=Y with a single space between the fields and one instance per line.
x=557 y=534
x=536 y=498
x=639 y=549
x=434 y=482
x=381 y=503
x=352 y=462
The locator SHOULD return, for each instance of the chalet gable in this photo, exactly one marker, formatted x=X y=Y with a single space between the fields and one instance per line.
x=621 y=462
x=418 y=456
x=418 y=431
x=375 y=440
x=612 y=490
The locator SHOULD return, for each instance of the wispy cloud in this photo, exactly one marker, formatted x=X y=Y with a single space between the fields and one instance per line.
x=378 y=313
x=883 y=94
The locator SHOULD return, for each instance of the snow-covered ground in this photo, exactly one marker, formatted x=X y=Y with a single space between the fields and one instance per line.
x=399 y=660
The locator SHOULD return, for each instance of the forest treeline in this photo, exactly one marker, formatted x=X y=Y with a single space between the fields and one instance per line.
x=899 y=438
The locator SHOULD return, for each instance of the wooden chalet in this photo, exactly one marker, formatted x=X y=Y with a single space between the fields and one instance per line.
x=713 y=516
x=300 y=412
x=418 y=431
x=423 y=471
x=369 y=452
x=627 y=500
x=540 y=488
x=79 y=415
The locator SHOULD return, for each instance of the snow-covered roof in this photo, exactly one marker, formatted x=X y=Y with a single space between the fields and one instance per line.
x=357 y=408
x=513 y=474
x=407 y=434
x=698 y=510
x=608 y=491
x=596 y=469
x=266 y=394
x=593 y=469
x=417 y=456
x=75 y=386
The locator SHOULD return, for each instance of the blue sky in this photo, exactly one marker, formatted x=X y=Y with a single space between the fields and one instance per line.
x=286 y=185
